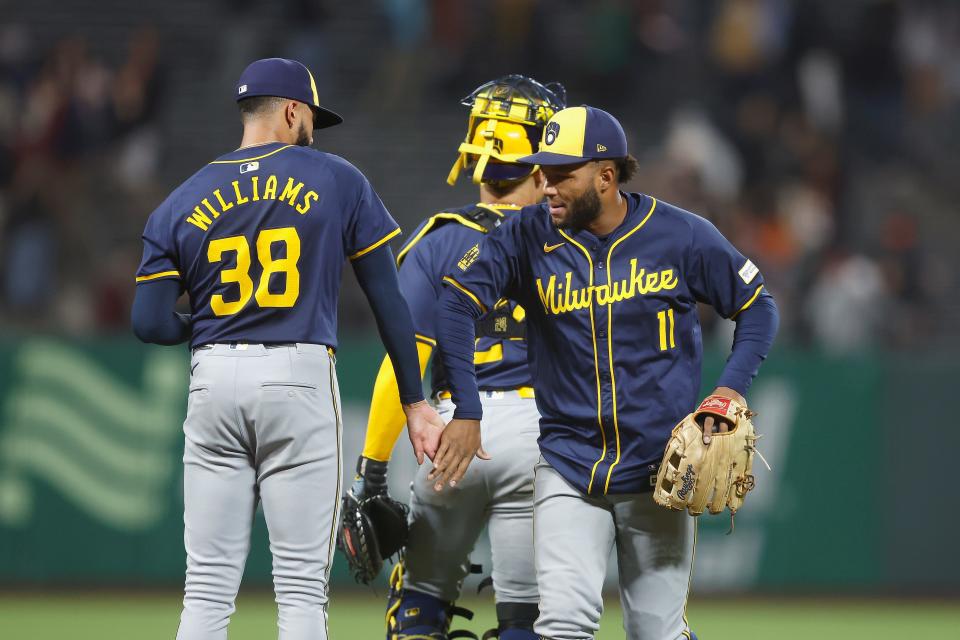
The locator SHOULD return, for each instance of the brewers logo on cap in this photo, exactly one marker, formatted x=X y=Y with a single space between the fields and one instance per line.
x=550 y=135
x=578 y=134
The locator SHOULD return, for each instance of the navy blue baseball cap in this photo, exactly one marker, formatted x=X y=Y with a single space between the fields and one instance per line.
x=578 y=134
x=284 y=78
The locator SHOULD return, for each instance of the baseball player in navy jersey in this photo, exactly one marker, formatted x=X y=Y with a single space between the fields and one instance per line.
x=257 y=239
x=610 y=282
x=506 y=119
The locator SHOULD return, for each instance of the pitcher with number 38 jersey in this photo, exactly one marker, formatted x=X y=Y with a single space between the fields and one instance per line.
x=234 y=235
x=257 y=239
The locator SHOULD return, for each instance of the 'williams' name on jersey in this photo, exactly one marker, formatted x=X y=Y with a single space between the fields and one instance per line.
x=250 y=237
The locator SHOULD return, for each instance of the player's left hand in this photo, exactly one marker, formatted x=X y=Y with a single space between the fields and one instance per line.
x=714 y=425
x=459 y=443
x=424 y=426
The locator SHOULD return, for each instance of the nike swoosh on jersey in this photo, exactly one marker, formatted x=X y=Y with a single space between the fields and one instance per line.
x=548 y=248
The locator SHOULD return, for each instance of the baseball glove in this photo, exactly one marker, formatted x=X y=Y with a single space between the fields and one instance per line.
x=694 y=475
x=373 y=526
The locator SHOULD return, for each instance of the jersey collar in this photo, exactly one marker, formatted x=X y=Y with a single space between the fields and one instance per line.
x=635 y=207
x=252 y=152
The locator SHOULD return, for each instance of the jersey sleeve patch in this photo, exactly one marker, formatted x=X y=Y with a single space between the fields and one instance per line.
x=748 y=272
x=469 y=257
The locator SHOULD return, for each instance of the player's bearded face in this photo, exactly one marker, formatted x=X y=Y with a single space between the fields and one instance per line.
x=584 y=209
x=579 y=211
x=572 y=195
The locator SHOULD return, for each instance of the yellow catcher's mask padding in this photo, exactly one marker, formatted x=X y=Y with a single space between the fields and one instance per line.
x=505 y=120
x=510 y=140
x=502 y=141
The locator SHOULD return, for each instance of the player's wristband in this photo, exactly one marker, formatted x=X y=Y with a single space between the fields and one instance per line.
x=374 y=471
x=371 y=477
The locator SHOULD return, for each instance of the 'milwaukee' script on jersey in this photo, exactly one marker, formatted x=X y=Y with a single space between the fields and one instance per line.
x=205 y=212
x=562 y=297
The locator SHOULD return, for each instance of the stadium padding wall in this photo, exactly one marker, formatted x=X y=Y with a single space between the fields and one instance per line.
x=859 y=499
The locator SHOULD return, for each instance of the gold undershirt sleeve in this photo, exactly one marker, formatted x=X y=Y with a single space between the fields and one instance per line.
x=387 y=419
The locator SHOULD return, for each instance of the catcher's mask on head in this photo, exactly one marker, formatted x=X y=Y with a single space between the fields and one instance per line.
x=506 y=119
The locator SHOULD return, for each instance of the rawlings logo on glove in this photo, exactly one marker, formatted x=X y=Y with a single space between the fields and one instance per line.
x=717 y=404
x=687 y=483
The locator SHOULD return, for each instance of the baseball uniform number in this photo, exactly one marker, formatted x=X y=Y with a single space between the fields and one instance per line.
x=288 y=266
x=241 y=273
x=666 y=329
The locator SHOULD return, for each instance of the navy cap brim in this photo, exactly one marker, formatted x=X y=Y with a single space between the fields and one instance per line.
x=551 y=159
x=323 y=118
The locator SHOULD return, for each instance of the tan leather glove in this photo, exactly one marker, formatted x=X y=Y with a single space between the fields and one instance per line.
x=694 y=475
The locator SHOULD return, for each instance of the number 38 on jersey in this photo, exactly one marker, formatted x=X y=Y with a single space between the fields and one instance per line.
x=269 y=243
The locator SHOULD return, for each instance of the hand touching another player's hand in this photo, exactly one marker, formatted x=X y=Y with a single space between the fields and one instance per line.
x=425 y=426
x=459 y=443
x=716 y=425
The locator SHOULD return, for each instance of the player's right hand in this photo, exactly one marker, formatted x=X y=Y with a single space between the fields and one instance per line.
x=460 y=442
x=424 y=426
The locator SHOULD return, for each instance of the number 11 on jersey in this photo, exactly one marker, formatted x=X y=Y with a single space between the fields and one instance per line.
x=665 y=317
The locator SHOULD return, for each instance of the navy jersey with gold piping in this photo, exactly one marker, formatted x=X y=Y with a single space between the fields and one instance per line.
x=444 y=244
x=258 y=239
x=612 y=328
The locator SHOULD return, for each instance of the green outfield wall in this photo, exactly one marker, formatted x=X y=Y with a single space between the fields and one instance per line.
x=860 y=497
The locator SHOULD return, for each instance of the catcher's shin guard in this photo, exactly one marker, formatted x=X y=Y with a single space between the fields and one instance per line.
x=515 y=621
x=412 y=615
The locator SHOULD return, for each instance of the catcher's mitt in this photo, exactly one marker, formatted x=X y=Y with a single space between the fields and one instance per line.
x=693 y=475
x=371 y=529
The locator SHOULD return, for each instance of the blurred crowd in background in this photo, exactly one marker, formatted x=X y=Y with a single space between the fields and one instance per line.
x=821 y=137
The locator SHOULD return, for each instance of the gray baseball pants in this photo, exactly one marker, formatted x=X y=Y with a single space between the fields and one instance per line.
x=498 y=493
x=574 y=535
x=263 y=425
